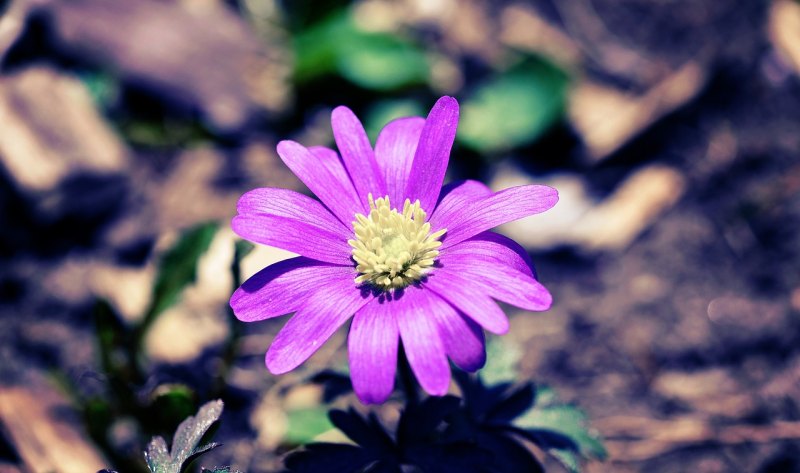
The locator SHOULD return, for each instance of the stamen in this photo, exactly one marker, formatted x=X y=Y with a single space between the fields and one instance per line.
x=392 y=249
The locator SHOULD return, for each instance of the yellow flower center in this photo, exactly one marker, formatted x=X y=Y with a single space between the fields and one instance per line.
x=393 y=249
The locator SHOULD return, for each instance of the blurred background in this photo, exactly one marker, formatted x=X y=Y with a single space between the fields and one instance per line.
x=671 y=128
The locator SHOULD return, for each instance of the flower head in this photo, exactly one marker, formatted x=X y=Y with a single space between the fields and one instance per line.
x=390 y=247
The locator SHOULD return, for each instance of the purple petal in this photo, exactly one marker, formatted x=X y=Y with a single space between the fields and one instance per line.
x=421 y=341
x=495 y=249
x=470 y=297
x=318 y=171
x=433 y=153
x=463 y=339
x=372 y=348
x=499 y=280
x=282 y=287
x=394 y=151
x=297 y=236
x=493 y=210
x=326 y=309
x=292 y=205
x=357 y=154
x=454 y=197
x=333 y=162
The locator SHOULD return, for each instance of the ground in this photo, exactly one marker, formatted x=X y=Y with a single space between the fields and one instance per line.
x=674 y=324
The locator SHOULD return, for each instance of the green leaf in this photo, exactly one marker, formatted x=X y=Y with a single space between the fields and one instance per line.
x=178 y=269
x=513 y=108
x=502 y=360
x=567 y=421
x=381 y=62
x=307 y=424
x=377 y=61
x=315 y=52
x=185 y=443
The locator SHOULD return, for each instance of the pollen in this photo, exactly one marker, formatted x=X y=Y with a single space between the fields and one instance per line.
x=393 y=249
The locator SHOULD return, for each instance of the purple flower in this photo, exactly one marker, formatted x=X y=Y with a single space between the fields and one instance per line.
x=390 y=247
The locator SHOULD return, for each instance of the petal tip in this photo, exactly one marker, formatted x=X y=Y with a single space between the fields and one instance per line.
x=471 y=366
x=342 y=112
x=447 y=101
x=544 y=300
x=500 y=328
x=236 y=225
x=553 y=196
x=290 y=150
x=275 y=364
x=368 y=398
x=438 y=390
x=446 y=108
x=233 y=302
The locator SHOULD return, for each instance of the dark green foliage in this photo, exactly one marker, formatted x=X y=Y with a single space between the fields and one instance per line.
x=178 y=269
x=333 y=384
x=418 y=443
x=158 y=407
x=490 y=429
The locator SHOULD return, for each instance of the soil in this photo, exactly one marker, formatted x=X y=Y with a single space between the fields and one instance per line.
x=695 y=321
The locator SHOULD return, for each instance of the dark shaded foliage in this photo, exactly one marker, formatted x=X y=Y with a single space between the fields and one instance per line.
x=489 y=430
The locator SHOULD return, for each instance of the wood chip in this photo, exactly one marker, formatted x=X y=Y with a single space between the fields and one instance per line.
x=9 y=468
x=632 y=208
x=52 y=130
x=162 y=46
x=632 y=439
x=784 y=31
x=522 y=27
x=578 y=220
x=43 y=428
x=711 y=391
x=607 y=118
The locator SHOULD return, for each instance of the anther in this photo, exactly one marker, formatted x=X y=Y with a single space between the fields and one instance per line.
x=393 y=249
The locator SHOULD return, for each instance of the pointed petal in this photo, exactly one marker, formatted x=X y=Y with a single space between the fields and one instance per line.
x=433 y=153
x=470 y=297
x=357 y=154
x=496 y=279
x=463 y=339
x=372 y=349
x=495 y=248
x=282 y=287
x=394 y=151
x=331 y=159
x=495 y=209
x=421 y=341
x=319 y=171
x=326 y=309
x=297 y=236
x=454 y=198
x=293 y=205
